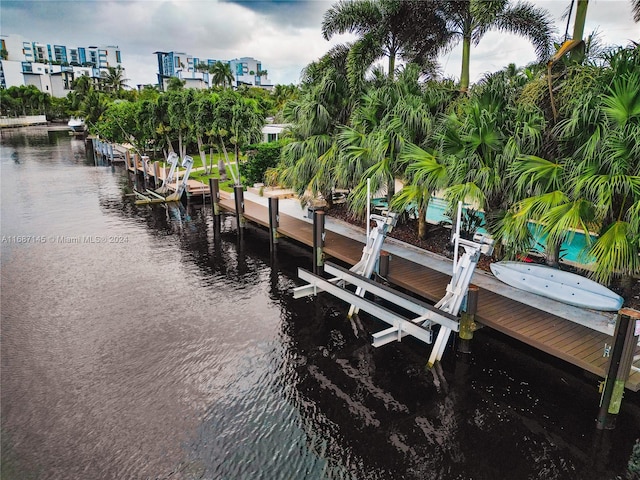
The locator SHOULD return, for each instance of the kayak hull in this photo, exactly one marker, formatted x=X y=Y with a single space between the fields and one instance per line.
x=562 y=286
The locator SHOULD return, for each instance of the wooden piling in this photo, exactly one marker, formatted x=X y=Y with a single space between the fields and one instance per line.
x=383 y=264
x=127 y=159
x=238 y=194
x=625 y=341
x=214 y=190
x=145 y=169
x=93 y=150
x=274 y=221
x=318 y=242
x=467 y=319
x=156 y=174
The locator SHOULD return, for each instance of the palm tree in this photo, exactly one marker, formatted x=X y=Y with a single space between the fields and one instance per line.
x=238 y=121
x=82 y=85
x=636 y=10
x=114 y=80
x=92 y=107
x=281 y=94
x=385 y=28
x=389 y=134
x=325 y=102
x=221 y=74
x=179 y=104
x=468 y=21
x=426 y=171
x=596 y=185
x=200 y=115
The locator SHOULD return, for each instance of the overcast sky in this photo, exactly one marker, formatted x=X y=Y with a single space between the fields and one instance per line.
x=285 y=35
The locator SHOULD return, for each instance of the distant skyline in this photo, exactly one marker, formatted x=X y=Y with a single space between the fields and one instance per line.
x=284 y=34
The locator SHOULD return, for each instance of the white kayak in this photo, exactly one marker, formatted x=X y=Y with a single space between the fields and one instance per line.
x=563 y=286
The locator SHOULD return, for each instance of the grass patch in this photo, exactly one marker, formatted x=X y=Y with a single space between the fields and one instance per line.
x=201 y=176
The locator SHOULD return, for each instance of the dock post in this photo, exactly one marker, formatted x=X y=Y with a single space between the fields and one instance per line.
x=318 y=242
x=127 y=159
x=145 y=172
x=274 y=221
x=238 y=194
x=93 y=149
x=214 y=190
x=467 y=319
x=625 y=340
x=156 y=174
x=383 y=265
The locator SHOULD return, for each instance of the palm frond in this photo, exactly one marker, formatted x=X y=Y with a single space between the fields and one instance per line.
x=616 y=253
x=534 y=23
x=562 y=221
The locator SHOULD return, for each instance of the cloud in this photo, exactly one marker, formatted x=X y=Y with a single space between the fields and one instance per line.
x=288 y=13
x=284 y=34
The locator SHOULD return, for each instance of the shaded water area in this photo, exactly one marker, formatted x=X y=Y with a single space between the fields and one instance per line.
x=135 y=346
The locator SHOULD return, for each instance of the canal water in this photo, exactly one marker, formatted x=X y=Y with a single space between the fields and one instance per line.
x=135 y=345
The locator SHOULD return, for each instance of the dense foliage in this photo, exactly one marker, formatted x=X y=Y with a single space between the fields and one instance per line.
x=543 y=153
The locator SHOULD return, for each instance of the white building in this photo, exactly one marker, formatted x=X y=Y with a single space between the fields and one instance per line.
x=248 y=71
x=272 y=132
x=52 y=68
x=245 y=70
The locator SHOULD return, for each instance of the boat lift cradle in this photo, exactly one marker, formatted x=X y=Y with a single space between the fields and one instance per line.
x=150 y=196
x=444 y=313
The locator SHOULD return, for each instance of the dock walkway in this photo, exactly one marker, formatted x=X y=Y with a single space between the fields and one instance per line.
x=575 y=335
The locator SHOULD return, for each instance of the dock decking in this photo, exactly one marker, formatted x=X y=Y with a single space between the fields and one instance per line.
x=556 y=336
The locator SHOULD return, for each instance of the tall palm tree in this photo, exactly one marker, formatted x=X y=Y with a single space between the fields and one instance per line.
x=468 y=21
x=221 y=74
x=385 y=28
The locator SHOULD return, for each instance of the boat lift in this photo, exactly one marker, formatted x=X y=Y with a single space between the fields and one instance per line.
x=444 y=313
x=173 y=161
x=157 y=196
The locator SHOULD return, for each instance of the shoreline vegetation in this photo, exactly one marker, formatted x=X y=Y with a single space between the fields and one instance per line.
x=554 y=143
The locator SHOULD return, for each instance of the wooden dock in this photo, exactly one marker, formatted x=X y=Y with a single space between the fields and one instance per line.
x=556 y=336
x=153 y=169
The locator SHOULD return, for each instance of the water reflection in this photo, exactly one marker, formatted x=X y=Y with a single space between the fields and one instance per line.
x=182 y=354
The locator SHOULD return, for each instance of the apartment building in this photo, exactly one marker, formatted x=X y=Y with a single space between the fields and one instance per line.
x=50 y=67
x=245 y=70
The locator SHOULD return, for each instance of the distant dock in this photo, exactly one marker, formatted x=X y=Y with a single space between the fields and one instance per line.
x=154 y=171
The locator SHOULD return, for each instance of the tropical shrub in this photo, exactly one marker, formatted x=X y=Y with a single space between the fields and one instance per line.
x=260 y=157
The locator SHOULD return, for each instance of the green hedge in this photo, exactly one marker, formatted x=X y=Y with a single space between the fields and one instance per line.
x=260 y=157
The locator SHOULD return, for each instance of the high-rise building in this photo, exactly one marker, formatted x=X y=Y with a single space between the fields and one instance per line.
x=193 y=70
x=50 y=67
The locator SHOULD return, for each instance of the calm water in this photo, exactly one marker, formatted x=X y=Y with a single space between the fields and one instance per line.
x=136 y=346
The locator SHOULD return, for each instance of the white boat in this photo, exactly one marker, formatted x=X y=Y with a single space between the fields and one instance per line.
x=563 y=286
x=76 y=125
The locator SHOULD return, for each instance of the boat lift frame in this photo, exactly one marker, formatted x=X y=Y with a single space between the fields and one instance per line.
x=444 y=313
x=150 y=196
